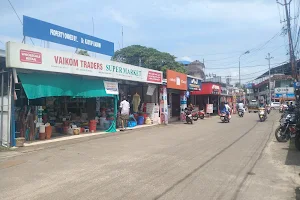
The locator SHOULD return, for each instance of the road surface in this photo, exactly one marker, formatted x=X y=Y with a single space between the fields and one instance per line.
x=207 y=160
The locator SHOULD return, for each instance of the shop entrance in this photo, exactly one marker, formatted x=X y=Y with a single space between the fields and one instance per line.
x=175 y=105
x=62 y=105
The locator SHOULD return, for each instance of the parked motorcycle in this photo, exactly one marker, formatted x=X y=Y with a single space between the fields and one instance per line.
x=197 y=115
x=262 y=114
x=224 y=117
x=287 y=129
x=188 y=117
x=241 y=113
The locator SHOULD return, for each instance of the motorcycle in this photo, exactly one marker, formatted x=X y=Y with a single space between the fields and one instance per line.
x=268 y=109
x=188 y=117
x=287 y=129
x=241 y=113
x=197 y=115
x=262 y=115
x=224 y=117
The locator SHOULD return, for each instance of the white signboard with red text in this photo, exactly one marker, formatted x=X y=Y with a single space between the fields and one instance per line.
x=25 y=56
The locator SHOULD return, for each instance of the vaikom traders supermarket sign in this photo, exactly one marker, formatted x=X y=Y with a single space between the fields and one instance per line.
x=24 y=56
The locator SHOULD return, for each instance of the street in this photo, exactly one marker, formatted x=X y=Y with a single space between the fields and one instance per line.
x=206 y=160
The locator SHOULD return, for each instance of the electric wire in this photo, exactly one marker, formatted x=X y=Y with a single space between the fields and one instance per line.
x=18 y=16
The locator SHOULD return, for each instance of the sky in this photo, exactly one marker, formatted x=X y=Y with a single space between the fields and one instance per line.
x=216 y=31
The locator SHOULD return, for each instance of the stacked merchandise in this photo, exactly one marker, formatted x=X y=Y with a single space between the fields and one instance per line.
x=153 y=110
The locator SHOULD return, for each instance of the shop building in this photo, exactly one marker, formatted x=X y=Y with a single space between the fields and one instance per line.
x=64 y=89
x=209 y=95
x=176 y=94
x=193 y=84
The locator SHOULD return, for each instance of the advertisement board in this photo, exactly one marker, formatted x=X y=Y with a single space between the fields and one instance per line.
x=50 y=32
x=24 y=56
x=209 y=108
x=208 y=89
x=111 y=87
x=176 y=80
x=194 y=83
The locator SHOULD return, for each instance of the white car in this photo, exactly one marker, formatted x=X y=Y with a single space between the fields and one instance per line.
x=275 y=105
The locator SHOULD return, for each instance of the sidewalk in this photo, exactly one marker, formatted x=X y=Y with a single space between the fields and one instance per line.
x=72 y=137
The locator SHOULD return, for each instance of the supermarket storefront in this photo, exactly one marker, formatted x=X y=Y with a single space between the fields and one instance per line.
x=63 y=89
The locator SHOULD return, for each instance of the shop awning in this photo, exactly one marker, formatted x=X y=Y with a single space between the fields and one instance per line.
x=37 y=85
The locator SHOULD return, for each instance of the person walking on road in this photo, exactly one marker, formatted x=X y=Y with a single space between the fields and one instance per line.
x=124 y=111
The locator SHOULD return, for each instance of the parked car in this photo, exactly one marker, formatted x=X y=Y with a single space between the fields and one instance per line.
x=275 y=105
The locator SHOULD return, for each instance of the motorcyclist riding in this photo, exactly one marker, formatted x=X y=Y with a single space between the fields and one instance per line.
x=241 y=106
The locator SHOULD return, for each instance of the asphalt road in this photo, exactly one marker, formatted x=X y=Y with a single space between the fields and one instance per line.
x=207 y=160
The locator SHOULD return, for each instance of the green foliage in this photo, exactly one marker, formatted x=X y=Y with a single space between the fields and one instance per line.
x=83 y=52
x=149 y=57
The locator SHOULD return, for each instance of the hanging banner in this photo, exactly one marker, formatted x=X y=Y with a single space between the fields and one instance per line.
x=151 y=89
x=111 y=87
x=163 y=105
x=50 y=32
x=25 y=56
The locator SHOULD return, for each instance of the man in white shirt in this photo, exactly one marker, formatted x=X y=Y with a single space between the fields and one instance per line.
x=228 y=110
x=124 y=111
x=241 y=106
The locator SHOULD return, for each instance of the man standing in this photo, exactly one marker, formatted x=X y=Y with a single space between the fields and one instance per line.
x=124 y=111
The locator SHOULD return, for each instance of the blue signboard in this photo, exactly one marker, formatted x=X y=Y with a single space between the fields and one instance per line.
x=296 y=85
x=289 y=95
x=194 y=84
x=49 y=32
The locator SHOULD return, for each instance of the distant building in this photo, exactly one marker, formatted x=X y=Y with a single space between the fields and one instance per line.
x=196 y=69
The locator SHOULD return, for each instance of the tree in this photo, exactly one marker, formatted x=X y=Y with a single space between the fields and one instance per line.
x=148 y=58
x=83 y=52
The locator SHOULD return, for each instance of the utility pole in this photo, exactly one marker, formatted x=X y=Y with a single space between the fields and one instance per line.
x=122 y=38
x=291 y=46
x=269 y=59
x=140 y=62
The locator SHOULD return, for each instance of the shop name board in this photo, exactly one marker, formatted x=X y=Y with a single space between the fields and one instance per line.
x=176 y=80
x=50 y=32
x=193 y=83
x=36 y=58
x=283 y=90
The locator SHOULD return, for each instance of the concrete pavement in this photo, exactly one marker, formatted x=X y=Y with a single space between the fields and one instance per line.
x=207 y=160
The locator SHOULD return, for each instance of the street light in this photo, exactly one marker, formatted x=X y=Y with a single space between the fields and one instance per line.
x=240 y=66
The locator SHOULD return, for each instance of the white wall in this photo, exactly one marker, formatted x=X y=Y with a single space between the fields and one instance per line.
x=6 y=130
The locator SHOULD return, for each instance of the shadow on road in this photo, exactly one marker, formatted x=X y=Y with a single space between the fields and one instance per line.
x=297 y=193
x=293 y=156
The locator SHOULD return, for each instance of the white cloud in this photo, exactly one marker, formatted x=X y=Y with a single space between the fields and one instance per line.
x=185 y=58
x=122 y=19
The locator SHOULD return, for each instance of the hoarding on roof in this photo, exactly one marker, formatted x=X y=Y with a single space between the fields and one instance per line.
x=50 y=32
x=25 y=56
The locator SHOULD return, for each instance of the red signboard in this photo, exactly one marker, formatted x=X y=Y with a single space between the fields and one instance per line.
x=208 y=89
x=154 y=77
x=30 y=56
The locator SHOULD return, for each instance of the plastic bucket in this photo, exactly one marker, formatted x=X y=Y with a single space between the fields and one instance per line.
x=140 y=120
x=42 y=129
